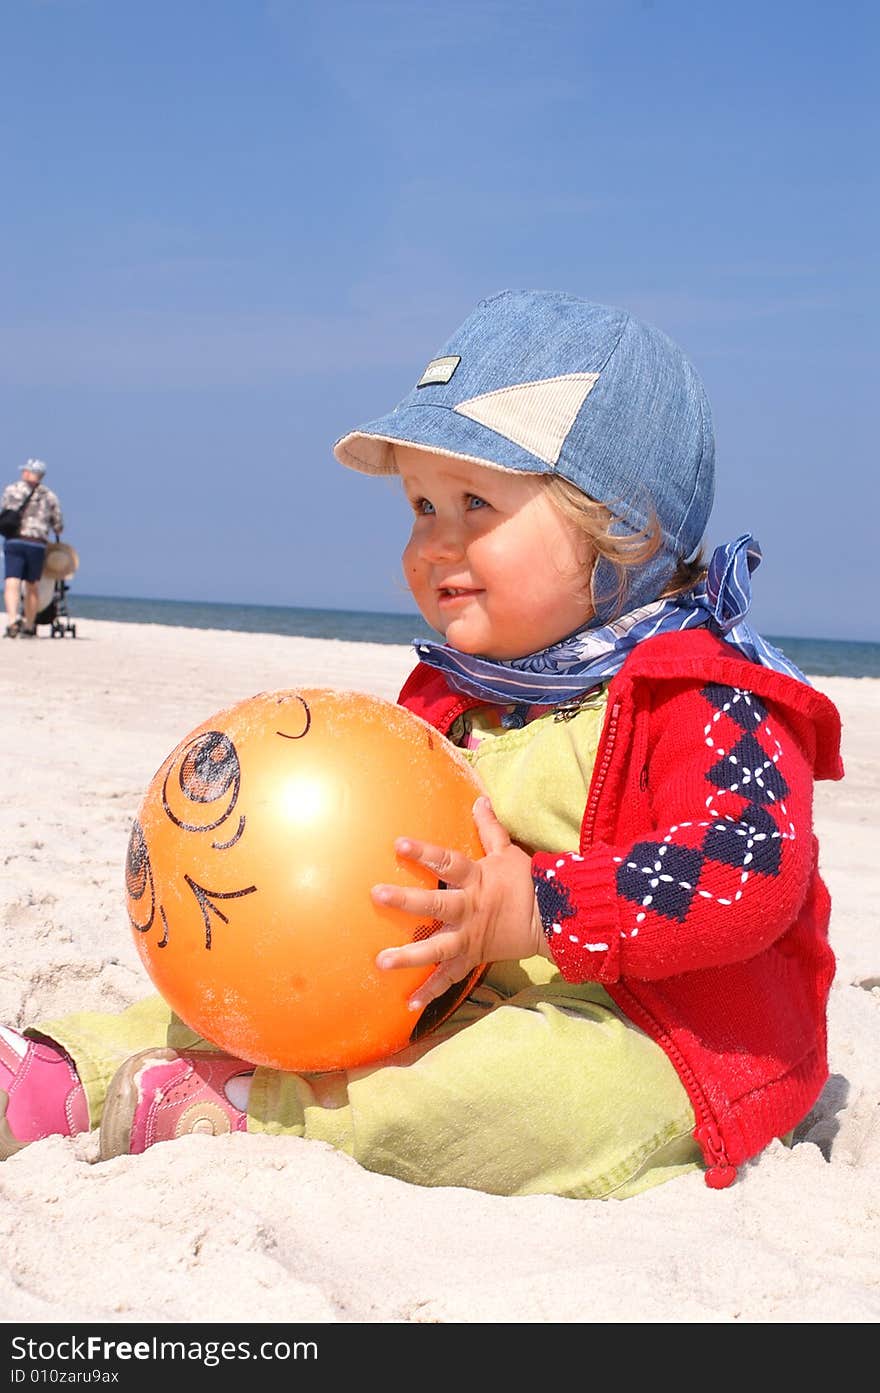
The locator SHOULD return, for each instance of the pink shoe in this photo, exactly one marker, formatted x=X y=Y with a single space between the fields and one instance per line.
x=158 y=1095
x=40 y=1092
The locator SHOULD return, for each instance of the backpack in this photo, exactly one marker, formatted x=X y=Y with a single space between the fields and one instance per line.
x=10 y=518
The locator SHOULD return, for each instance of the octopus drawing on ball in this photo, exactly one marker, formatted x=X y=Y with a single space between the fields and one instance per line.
x=249 y=868
x=207 y=769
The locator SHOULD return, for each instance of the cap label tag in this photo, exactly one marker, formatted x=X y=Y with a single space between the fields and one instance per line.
x=439 y=370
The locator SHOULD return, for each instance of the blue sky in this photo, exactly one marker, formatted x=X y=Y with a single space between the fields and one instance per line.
x=233 y=230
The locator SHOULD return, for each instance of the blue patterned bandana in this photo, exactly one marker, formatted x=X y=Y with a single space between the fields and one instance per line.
x=590 y=656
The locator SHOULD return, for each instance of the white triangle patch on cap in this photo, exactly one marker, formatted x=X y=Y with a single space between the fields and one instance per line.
x=535 y=415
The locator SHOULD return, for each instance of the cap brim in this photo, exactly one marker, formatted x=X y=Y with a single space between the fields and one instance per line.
x=438 y=429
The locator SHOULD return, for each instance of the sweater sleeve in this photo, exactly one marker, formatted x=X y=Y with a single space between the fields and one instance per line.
x=722 y=865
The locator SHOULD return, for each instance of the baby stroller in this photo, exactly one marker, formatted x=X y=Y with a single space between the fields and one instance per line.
x=60 y=564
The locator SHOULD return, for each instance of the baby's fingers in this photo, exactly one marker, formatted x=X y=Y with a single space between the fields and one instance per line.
x=427 y=904
x=440 y=951
x=452 y=867
x=432 y=951
x=493 y=834
x=446 y=976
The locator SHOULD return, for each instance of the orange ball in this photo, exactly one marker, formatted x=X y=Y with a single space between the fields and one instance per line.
x=250 y=864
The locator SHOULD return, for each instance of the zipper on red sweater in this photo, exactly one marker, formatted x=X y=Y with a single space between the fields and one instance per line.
x=599 y=776
x=720 y=1172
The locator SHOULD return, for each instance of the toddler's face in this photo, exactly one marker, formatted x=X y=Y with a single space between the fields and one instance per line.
x=491 y=563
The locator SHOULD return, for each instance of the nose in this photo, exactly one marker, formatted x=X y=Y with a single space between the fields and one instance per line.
x=441 y=540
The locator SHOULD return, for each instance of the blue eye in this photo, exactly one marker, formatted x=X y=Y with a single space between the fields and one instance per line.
x=474 y=501
x=423 y=506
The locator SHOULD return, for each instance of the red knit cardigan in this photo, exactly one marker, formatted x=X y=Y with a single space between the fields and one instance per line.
x=695 y=898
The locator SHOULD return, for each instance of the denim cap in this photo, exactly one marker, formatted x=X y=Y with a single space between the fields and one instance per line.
x=543 y=382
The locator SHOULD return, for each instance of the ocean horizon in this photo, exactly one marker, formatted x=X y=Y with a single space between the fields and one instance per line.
x=820 y=657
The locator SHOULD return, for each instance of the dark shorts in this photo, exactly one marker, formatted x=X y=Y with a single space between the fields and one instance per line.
x=24 y=558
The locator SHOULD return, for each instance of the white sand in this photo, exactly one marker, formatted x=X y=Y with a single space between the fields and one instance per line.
x=256 y=1229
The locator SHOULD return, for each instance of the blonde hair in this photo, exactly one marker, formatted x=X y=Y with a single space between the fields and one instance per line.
x=623 y=551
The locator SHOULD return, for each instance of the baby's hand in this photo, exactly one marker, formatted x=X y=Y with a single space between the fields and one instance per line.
x=488 y=913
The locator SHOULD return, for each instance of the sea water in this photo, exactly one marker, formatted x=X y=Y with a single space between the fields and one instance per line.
x=821 y=657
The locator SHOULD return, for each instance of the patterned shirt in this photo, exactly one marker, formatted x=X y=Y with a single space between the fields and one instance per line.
x=42 y=512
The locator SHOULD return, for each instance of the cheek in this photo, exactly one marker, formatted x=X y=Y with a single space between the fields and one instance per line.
x=410 y=560
x=571 y=557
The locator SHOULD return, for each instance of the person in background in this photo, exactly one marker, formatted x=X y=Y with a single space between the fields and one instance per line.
x=23 y=556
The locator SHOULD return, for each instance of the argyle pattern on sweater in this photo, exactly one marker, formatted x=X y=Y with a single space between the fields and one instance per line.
x=707 y=859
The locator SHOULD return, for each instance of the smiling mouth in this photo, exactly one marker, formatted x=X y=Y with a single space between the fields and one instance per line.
x=454 y=592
